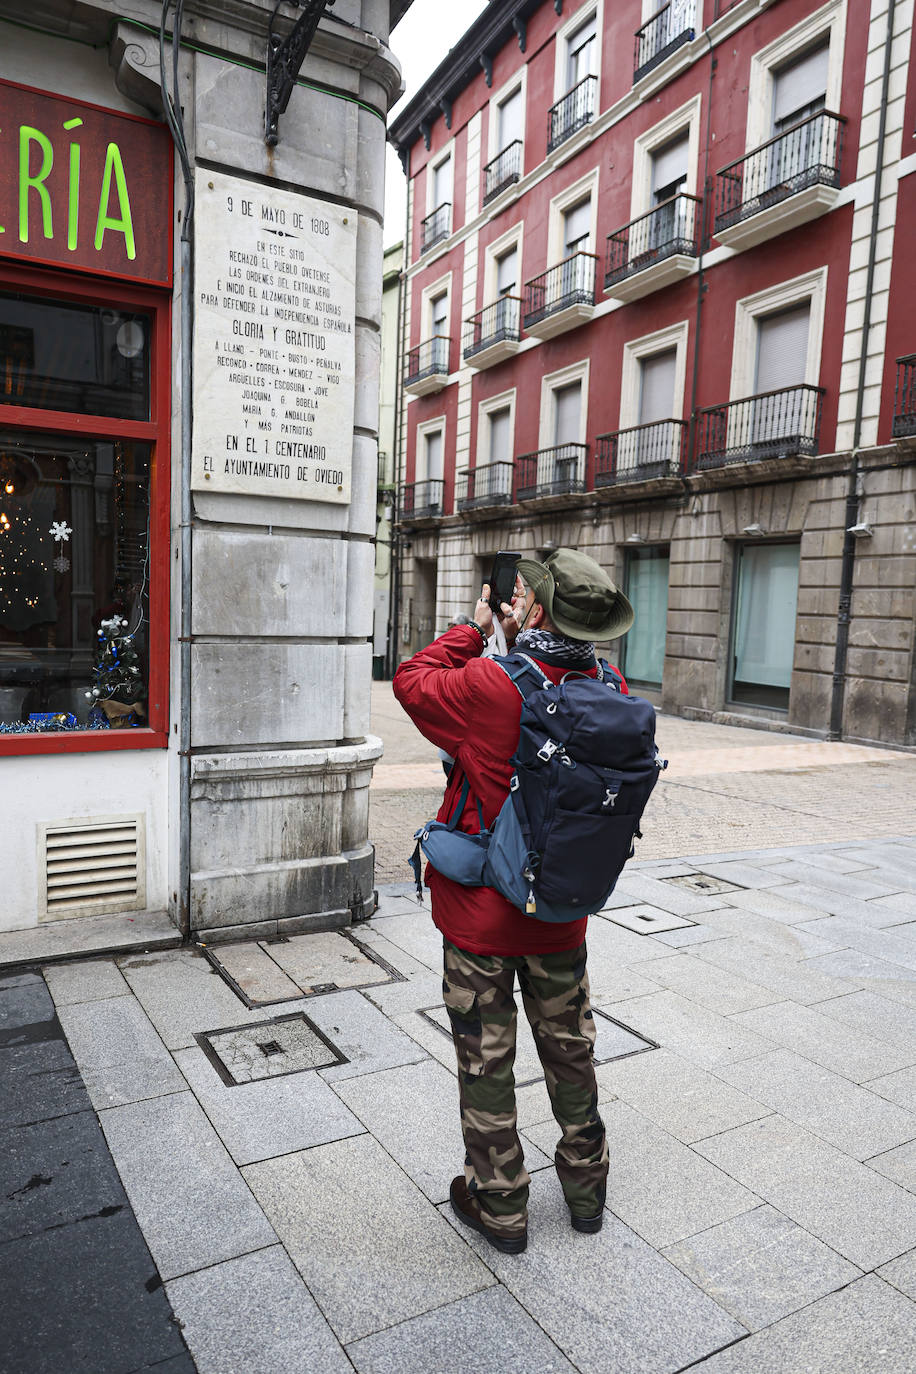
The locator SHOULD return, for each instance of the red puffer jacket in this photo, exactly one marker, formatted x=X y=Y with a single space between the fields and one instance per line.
x=466 y=705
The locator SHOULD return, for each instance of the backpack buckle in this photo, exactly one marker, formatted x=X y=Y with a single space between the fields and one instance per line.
x=547 y=750
x=610 y=798
x=514 y=783
x=551 y=708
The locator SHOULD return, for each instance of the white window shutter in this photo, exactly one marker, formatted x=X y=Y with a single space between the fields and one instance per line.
x=800 y=84
x=432 y=456
x=499 y=435
x=656 y=390
x=511 y=120
x=577 y=225
x=568 y=405
x=442 y=183
x=782 y=349
x=507 y=273
x=669 y=163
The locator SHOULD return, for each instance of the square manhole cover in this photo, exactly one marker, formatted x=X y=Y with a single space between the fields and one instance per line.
x=269 y=1049
x=702 y=883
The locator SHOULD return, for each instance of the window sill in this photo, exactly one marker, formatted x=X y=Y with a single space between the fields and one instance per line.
x=83 y=741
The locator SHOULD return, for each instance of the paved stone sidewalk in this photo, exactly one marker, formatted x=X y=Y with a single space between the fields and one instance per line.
x=761 y=1215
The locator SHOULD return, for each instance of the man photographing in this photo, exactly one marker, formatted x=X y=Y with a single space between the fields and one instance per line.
x=468 y=706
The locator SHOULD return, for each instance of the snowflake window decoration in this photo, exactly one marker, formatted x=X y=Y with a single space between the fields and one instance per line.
x=61 y=531
x=62 y=564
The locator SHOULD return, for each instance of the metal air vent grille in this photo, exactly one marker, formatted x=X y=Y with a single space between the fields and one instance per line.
x=91 y=865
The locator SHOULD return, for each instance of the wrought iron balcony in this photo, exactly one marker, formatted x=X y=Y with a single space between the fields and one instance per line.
x=775 y=424
x=572 y=113
x=664 y=240
x=551 y=471
x=436 y=227
x=905 y=397
x=488 y=485
x=561 y=297
x=422 y=500
x=503 y=171
x=806 y=158
x=661 y=35
x=640 y=453
x=493 y=333
x=426 y=369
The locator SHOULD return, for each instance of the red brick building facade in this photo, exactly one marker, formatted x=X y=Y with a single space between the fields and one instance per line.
x=660 y=282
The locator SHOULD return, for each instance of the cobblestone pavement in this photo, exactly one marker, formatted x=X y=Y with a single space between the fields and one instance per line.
x=725 y=788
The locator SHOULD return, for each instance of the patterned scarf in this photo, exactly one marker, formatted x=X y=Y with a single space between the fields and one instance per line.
x=556 y=649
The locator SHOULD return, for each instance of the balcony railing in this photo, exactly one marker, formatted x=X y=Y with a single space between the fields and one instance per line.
x=436 y=227
x=905 y=397
x=775 y=424
x=488 y=485
x=422 y=500
x=664 y=33
x=669 y=229
x=572 y=113
x=551 y=471
x=503 y=171
x=808 y=154
x=427 y=359
x=640 y=453
x=496 y=323
x=571 y=282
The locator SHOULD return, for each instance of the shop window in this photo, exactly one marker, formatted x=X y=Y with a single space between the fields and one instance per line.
x=763 y=624
x=646 y=583
x=83 y=599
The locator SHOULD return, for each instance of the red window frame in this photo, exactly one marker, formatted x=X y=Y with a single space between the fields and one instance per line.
x=65 y=286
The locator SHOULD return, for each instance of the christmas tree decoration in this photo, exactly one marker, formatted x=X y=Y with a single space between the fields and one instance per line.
x=116 y=686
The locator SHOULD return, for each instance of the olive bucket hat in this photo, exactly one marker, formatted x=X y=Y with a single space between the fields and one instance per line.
x=578 y=595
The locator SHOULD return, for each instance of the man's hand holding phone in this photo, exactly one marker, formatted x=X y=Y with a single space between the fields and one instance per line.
x=483 y=615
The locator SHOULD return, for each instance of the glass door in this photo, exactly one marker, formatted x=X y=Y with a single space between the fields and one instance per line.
x=646 y=580
x=763 y=624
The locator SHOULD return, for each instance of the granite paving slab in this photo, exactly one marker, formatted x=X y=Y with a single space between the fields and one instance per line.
x=786 y=978
x=119 y=1054
x=689 y=935
x=23 y=1004
x=90 y=980
x=657 y=1185
x=373 y=938
x=183 y=995
x=770 y=902
x=742 y=874
x=115 y=1317
x=18 y=980
x=428 y=1035
x=898 y=1164
x=610 y=947
x=395 y=999
x=373 y=1254
x=361 y=1032
x=415 y=933
x=486 y=1333
x=877 y=975
x=325 y=960
x=866 y=1218
x=413 y=1111
x=853 y=1119
x=776 y=937
x=192 y=1205
x=899 y=1087
x=867 y=1328
x=607 y=1300
x=254 y=1315
x=666 y=895
x=874 y=1015
x=38 y=1082
x=760 y=1266
x=833 y=859
x=846 y=884
x=827 y=1042
x=53 y=1171
x=825 y=901
x=902 y=1274
x=678 y=1096
x=718 y=989
x=61 y=939
x=271 y=1116
x=258 y=976
x=691 y=1030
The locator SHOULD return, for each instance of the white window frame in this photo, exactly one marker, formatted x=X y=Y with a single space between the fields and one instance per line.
x=827 y=22
x=810 y=287
x=686 y=119
x=561 y=53
x=553 y=382
x=587 y=185
x=504 y=401
x=427 y=296
x=517 y=82
x=435 y=162
x=512 y=238
x=674 y=336
x=425 y=428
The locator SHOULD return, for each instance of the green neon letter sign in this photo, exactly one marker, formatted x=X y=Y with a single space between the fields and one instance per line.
x=28 y=136
x=125 y=225
x=73 y=203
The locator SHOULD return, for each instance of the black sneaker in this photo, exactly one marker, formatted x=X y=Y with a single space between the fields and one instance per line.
x=587 y=1224
x=467 y=1210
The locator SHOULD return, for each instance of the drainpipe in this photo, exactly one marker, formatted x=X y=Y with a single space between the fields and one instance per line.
x=852 y=491
x=394 y=603
x=175 y=121
x=702 y=288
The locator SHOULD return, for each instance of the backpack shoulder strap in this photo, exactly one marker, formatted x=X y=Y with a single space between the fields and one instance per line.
x=524 y=674
x=610 y=675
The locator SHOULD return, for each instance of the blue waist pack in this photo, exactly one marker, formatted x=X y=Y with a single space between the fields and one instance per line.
x=583 y=770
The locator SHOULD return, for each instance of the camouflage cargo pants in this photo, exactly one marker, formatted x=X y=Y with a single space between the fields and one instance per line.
x=478 y=992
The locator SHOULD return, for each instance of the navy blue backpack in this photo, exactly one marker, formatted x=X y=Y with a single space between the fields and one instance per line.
x=583 y=770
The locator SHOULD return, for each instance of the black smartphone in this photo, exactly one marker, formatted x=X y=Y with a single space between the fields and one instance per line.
x=502 y=578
